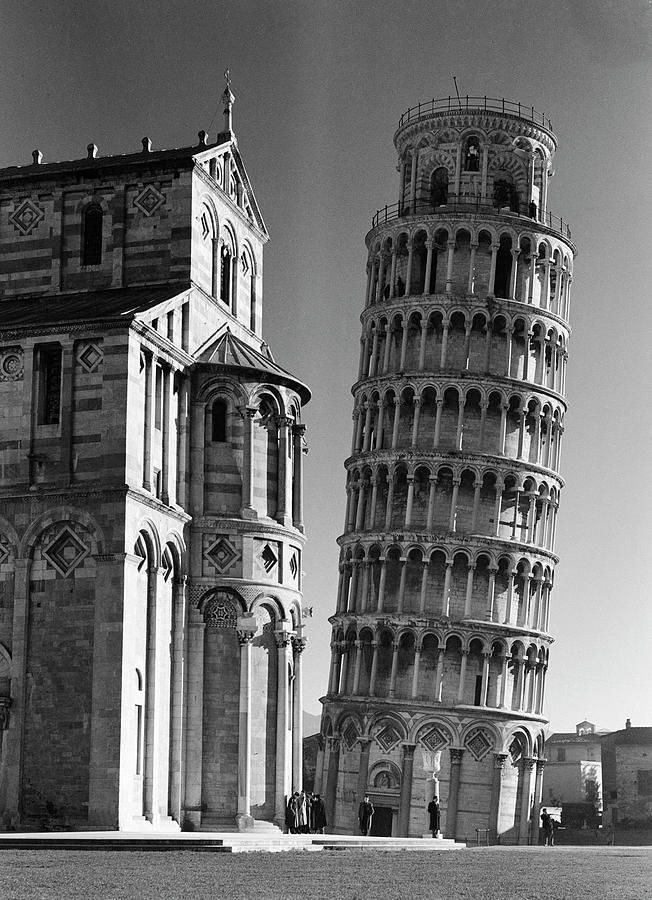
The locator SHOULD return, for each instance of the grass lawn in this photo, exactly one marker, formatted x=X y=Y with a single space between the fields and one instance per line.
x=536 y=873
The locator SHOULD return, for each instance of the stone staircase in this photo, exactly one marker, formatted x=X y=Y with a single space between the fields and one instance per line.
x=267 y=841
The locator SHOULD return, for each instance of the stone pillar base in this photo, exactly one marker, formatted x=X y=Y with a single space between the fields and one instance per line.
x=244 y=822
x=247 y=512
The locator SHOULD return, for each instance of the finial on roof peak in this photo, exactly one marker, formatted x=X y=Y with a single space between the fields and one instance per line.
x=227 y=100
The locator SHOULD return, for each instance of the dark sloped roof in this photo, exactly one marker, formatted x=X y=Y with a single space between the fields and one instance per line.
x=641 y=735
x=87 y=306
x=226 y=349
x=571 y=737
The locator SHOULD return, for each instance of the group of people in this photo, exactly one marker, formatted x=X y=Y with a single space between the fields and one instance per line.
x=305 y=813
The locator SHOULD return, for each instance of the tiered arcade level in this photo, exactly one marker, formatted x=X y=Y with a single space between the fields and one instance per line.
x=440 y=637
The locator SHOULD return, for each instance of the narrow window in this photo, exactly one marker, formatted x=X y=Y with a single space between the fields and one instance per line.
x=92 y=236
x=219 y=422
x=158 y=399
x=477 y=694
x=49 y=409
x=225 y=276
x=171 y=325
x=561 y=755
x=439 y=187
x=472 y=154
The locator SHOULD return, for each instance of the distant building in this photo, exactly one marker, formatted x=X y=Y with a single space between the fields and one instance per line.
x=572 y=775
x=627 y=775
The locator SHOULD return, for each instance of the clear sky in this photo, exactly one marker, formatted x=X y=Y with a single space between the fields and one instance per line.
x=320 y=86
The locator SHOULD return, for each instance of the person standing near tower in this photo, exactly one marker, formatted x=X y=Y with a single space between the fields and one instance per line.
x=365 y=815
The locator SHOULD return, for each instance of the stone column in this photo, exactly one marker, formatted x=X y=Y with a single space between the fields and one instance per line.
x=363 y=767
x=298 y=646
x=424 y=586
x=197 y=459
x=527 y=764
x=374 y=668
x=469 y=591
x=462 y=684
x=246 y=628
x=392 y=680
x=408 y=274
x=165 y=427
x=406 y=790
x=439 y=403
x=536 y=804
x=404 y=343
x=439 y=676
x=284 y=472
x=358 y=664
x=447 y=587
x=476 y=504
x=148 y=419
x=484 y=690
x=14 y=735
x=194 y=719
x=444 y=345
x=248 y=468
x=453 y=792
x=470 y=287
x=182 y=439
x=298 y=431
x=432 y=481
x=283 y=750
x=177 y=711
x=496 y=792
x=426 y=283
x=331 y=781
x=381 y=584
x=449 y=267
x=415 y=675
x=492 y=270
x=401 y=589
x=416 y=402
x=395 y=423
x=409 y=502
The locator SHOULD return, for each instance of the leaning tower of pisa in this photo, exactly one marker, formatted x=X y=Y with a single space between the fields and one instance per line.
x=441 y=632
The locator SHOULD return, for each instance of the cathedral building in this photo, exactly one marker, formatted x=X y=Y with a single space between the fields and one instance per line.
x=151 y=526
x=441 y=633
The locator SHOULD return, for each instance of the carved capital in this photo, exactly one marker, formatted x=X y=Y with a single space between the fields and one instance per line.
x=456 y=755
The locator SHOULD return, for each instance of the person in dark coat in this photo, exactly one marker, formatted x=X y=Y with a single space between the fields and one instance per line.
x=292 y=813
x=435 y=815
x=548 y=829
x=319 y=815
x=365 y=815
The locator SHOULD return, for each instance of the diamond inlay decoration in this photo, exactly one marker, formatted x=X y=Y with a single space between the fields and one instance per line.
x=90 y=357
x=149 y=200
x=388 y=737
x=478 y=743
x=269 y=558
x=26 y=217
x=66 y=551
x=294 y=565
x=434 y=739
x=221 y=555
x=350 y=735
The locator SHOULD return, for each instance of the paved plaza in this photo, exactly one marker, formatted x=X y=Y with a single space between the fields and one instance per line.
x=624 y=873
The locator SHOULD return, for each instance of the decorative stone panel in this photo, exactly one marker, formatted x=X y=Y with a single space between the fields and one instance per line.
x=149 y=200
x=434 y=739
x=479 y=743
x=266 y=557
x=388 y=737
x=26 y=217
x=350 y=735
x=89 y=357
x=66 y=551
x=220 y=554
x=12 y=364
x=220 y=612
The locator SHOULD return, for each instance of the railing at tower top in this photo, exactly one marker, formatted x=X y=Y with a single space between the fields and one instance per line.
x=468 y=104
x=465 y=205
